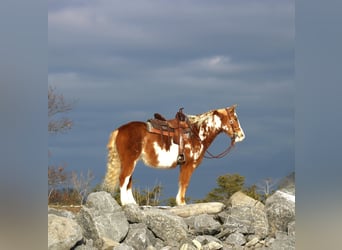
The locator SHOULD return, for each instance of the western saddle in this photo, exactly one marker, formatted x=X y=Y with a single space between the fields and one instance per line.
x=178 y=129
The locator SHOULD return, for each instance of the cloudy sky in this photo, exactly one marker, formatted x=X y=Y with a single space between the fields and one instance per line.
x=125 y=60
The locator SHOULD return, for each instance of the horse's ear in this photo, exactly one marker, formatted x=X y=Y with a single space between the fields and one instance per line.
x=234 y=106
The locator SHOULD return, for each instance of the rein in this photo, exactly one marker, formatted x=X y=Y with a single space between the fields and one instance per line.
x=222 y=154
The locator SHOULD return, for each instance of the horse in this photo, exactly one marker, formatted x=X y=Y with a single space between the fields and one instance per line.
x=132 y=142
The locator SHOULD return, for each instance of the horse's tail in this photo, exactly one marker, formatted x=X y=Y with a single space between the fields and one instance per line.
x=111 y=179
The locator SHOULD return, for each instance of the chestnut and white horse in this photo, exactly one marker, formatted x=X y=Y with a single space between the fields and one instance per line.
x=132 y=142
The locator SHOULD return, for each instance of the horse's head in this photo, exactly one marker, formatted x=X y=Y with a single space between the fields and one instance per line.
x=231 y=125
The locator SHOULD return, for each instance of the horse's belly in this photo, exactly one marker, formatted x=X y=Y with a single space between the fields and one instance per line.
x=160 y=157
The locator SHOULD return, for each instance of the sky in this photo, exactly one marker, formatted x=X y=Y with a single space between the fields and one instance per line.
x=120 y=61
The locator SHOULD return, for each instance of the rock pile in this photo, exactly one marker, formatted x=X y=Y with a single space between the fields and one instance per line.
x=243 y=224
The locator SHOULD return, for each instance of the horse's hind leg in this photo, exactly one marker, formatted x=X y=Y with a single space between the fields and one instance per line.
x=186 y=171
x=126 y=195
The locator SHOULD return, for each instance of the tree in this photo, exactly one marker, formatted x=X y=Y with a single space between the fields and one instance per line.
x=266 y=187
x=81 y=184
x=228 y=184
x=57 y=105
x=57 y=178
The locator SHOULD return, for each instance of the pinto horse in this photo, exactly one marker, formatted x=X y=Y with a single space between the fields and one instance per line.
x=132 y=142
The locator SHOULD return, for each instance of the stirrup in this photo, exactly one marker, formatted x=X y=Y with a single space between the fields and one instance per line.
x=181 y=159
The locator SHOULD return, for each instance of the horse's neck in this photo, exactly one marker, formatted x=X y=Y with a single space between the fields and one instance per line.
x=207 y=129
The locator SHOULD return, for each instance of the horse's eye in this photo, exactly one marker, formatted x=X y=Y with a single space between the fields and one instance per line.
x=231 y=121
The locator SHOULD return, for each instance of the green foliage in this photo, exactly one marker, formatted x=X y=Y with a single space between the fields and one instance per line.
x=252 y=192
x=228 y=184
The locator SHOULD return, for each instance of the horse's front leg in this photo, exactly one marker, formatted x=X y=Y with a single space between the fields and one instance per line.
x=186 y=171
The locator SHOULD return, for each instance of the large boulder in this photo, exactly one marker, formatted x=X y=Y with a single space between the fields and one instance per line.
x=280 y=209
x=245 y=215
x=63 y=233
x=103 y=220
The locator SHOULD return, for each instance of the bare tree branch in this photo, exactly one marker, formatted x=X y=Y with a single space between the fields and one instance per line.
x=58 y=105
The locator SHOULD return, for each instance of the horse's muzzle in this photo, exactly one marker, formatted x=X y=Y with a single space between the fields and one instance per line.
x=239 y=136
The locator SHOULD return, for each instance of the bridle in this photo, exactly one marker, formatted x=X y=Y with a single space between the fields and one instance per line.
x=227 y=150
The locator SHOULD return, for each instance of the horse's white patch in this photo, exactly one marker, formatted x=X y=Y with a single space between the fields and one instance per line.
x=215 y=122
x=198 y=152
x=126 y=195
x=166 y=158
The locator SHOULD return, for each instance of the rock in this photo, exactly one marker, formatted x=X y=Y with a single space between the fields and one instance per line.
x=205 y=224
x=102 y=201
x=212 y=245
x=244 y=224
x=282 y=241
x=63 y=233
x=197 y=209
x=166 y=226
x=291 y=228
x=233 y=224
x=123 y=246
x=61 y=212
x=134 y=213
x=280 y=209
x=252 y=242
x=236 y=239
x=139 y=236
x=87 y=245
x=247 y=213
x=188 y=246
x=103 y=220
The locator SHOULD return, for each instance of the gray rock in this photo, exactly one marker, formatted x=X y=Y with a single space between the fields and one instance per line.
x=252 y=242
x=134 y=213
x=170 y=228
x=123 y=246
x=282 y=241
x=291 y=228
x=61 y=212
x=87 y=245
x=236 y=239
x=233 y=224
x=63 y=233
x=188 y=246
x=103 y=220
x=139 y=236
x=205 y=224
x=197 y=209
x=205 y=239
x=212 y=245
x=247 y=213
x=280 y=209
x=102 y=201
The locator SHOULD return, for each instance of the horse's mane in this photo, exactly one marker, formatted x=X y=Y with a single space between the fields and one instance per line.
x=200 y=118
